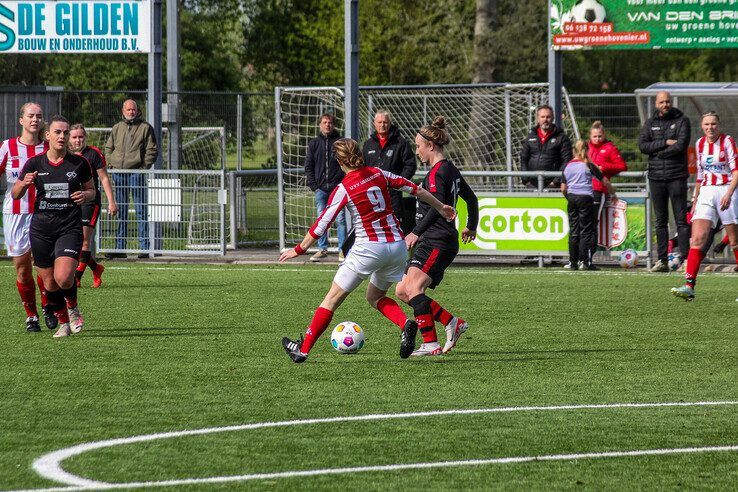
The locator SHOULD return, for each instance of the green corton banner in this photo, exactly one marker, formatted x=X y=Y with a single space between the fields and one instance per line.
x=643 y=24
x=512 y=225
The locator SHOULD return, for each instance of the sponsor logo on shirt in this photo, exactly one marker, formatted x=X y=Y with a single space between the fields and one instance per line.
x=56 y=190
x=372 y=152
x=43 y=174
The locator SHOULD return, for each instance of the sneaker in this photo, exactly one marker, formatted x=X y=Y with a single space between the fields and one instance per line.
x=50 y=319
x=341 y=256
x=591 y=267
x=580 y=265
x=407 y=341
x=685 y=292
x=292 y=347
x=568 y=266
x=319 y=255
x=76 y=321
x=432 y=348
x=96 y=276
x=63 y=331
x=660 y=266
x=454 y=329
x=32 y=325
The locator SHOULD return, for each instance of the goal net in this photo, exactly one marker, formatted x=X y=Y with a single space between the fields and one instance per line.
x=486 y=124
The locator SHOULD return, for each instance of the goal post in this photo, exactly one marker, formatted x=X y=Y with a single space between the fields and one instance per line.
x=486 y=123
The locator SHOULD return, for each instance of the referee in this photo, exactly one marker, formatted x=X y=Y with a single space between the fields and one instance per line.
x=62 y=181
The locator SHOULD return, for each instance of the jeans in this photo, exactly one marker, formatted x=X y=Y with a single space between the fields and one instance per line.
x=661 y=193
x=134 y=183
x=321 y=201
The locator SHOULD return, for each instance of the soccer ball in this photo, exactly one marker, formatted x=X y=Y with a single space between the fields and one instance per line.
x=347 y=337
x=588 y=11
x=628 y=258
x=675 y=261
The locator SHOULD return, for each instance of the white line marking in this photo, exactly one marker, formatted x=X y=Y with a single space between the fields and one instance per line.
x=49 y=465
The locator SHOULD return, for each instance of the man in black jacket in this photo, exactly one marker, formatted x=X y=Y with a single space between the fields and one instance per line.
x=546 y=148
x=323 y=174
x=388 y=150
x=665 y=139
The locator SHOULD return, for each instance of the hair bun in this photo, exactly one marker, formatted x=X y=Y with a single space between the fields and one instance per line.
x=439 y=122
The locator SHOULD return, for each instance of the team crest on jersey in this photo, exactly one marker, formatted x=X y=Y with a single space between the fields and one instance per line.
x=71 y=175
x=613 y=225
x=390 y=152
x=553 y=140
x=15 y=174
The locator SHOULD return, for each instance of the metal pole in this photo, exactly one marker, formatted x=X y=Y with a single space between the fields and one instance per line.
x=154 y=84
x=280 y=177
x=239 y=132
x=508 y=140
x=351 y=67
x=173 y=82
x=232 y=208
x=555 y=77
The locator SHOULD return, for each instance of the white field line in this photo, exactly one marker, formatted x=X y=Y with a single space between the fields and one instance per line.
x=49 y=465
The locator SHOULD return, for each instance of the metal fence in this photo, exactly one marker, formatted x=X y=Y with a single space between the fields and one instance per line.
x=165 y=212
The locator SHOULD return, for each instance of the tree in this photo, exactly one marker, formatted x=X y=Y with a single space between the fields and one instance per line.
x=484 y=53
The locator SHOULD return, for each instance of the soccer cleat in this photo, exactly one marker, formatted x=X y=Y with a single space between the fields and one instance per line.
x=407 y=340
x=63 y=331
x=719 y=247
x=292 y=347
x=685 y=292
x=319 y=255
x=660 y=266
x=32 y=325
x=76 y=321
x=454 y=329
x=430 y=348
x=50 y=318
x=96 y=276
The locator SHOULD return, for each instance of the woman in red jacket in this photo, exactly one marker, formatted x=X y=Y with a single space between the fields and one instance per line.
x=606 y=156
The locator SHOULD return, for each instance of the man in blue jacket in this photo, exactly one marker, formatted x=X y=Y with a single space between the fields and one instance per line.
x=665 y=139
x=323 y=174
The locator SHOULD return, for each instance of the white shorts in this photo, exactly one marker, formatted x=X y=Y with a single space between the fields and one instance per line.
x=17 y=237
x=708 y=206
x=384 y=262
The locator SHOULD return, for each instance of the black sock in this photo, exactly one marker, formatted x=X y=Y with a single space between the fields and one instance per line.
x=91 y=262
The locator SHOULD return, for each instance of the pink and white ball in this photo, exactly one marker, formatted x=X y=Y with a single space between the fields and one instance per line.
x=628 y=258
x=347 y=337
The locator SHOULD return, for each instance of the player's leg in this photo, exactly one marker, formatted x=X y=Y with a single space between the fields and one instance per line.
x=700 y=231
x=412 y=287
x=18 y=246
x=572 y=209
x=85 y=256
x=66 y=251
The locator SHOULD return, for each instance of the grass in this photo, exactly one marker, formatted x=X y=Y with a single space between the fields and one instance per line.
x=192 y=346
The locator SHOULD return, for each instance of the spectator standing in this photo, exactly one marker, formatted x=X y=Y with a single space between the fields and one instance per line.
x=665 y=139
x=323 y=174
x=131 y=145
x=606 y=156
x=390 y=151
x=546 y=148
x=577 y=186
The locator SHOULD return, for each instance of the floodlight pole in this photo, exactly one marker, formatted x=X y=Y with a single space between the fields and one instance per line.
x=154 y=85
x=555 y=75
x=173 y=80
x=351 y=67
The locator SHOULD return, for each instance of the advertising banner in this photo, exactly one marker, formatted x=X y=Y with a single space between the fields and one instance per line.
x=531 y=225
x=75 y=27
x=644 y=24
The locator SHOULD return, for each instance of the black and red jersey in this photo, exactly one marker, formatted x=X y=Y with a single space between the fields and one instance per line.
x=445 y=182
x=97 y=161
x=54 y=185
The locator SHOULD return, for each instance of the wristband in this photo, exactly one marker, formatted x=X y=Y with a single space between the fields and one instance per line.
x=299 y=250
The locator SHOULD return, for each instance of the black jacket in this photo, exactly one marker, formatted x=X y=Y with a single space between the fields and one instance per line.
x=396 y=157
x=551 y=156
x=666 y=162
x=321 y=168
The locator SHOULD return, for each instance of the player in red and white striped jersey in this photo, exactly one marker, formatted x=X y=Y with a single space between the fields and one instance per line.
x=714 y=197
x=379 y=252
x=17 y=214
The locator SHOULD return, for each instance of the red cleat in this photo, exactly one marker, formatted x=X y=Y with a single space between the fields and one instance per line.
x=96 y=276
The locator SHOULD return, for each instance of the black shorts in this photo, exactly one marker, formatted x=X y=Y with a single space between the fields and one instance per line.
x=432 y=261
x=47 y=247
x=90 y=213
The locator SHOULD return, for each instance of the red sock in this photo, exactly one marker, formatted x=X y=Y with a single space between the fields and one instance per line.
x=440 y=314
x=80 y=269
x=735 y=253
x=725 y=240
x=390 y=310
x=427 y=328
x=694 y=259
x=42 y=290
x=70 y=295
x=28 y=297
x=320 y=321
x=62 y=315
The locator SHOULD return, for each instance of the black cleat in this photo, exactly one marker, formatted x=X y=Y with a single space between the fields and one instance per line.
x=292 y=347
x=50 y=319
x=32 y=324
x=407 y=343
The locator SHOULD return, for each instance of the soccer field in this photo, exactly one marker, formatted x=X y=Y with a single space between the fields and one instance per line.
x=538 y=393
